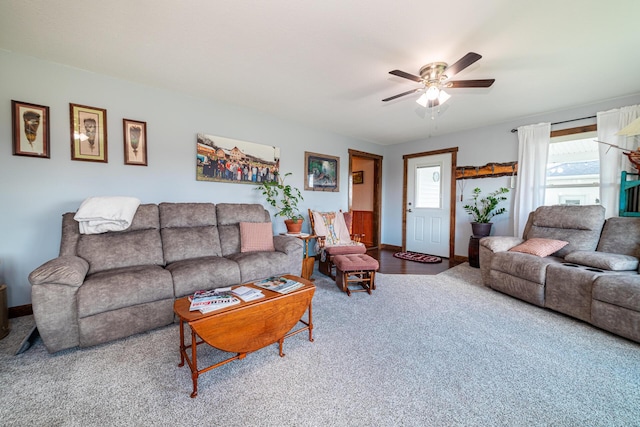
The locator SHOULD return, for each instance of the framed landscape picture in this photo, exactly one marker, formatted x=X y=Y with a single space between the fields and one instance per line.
x=322 y=172
x=135 y=142
x=358 y=177
x=88 y=133
x=30 y=123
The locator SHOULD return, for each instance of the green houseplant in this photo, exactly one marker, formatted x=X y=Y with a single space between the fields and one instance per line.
x=285 y=199
x=482 y=209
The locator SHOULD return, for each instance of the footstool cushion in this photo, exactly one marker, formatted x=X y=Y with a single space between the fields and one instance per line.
x=355 y=268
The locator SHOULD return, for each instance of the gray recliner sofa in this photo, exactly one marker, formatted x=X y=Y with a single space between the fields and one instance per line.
x=593 y=278
x=108 y=286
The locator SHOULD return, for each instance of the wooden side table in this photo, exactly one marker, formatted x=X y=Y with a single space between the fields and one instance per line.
x=308 y=261
x=474 y=251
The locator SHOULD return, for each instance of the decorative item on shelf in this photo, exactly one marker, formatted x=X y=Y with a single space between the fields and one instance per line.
x=482 y=209
x=285 y=199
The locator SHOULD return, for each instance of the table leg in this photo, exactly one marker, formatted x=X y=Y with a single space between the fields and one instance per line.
x=183 y=348
x=194 y=359
x=310 y=322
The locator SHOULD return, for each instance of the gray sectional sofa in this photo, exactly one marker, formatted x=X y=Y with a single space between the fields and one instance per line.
x=593 y=278
x=111 y=285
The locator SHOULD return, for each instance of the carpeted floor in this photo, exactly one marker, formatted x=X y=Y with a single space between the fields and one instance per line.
x=421 y=351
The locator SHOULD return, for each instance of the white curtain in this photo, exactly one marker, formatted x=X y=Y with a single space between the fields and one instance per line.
x=612 y=161
x=533 y=150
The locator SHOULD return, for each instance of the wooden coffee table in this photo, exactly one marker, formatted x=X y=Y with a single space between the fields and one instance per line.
x=245 y=327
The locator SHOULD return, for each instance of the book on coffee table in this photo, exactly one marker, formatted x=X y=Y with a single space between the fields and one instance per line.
x=279 y=284
x=218 y=306
x=246 y=293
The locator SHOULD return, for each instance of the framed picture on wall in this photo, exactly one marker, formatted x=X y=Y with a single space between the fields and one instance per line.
x=30 y=123
x=135 y=142
x=88 y=133
x=322 y=172
x=358 y=177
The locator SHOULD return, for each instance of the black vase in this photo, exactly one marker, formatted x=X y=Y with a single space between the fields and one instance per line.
x=481 y=229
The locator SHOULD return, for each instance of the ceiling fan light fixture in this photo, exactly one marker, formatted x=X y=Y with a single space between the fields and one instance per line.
x=443 y=97
x=423 y=100
x=432 y=93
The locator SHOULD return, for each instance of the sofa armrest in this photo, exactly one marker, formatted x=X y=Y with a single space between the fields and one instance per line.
x=287 y=244
x=65 y=270
x=54 y=286
x=490 y=245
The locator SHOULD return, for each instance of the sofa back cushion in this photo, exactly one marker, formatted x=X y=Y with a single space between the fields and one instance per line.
x=140 y=244
x=621 y=235
x=578 y=225
x=189 y=230
x=230 y=215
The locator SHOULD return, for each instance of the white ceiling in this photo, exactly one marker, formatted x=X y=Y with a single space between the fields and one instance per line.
x=325 y=63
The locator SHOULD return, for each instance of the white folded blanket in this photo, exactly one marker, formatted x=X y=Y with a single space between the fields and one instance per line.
x=101 y=214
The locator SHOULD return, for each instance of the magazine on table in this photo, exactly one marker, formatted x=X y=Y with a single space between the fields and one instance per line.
x=279 y=284
x=246 y=293
x=205 y=298
x=218 y=306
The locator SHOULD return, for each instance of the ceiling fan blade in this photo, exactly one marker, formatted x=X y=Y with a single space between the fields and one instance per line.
x=404 y=75
x=401 y=94
x=470 y=83
x=462 y=63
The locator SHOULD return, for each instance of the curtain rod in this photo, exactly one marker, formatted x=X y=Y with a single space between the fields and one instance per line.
x=565 y=121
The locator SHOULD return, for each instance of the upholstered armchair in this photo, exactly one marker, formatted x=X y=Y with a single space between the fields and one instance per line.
x=334 y=238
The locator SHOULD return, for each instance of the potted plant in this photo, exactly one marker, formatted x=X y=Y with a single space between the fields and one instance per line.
x=285 y=199
x=482 y=209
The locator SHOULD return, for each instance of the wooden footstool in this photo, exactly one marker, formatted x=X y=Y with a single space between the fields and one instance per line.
x=356 y=268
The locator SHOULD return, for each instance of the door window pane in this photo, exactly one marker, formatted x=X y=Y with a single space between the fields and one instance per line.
x=428 y=187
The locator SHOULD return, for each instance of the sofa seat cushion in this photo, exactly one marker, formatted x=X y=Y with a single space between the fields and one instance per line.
x=258 y=265
x=620 y=290
x=603 y=260
x=525 y=266
x=123 y=287
x=190 y=275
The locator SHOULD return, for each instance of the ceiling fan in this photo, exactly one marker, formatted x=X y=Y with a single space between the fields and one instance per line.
x=435 y=78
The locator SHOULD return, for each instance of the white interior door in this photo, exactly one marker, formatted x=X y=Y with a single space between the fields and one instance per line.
x=428 y=203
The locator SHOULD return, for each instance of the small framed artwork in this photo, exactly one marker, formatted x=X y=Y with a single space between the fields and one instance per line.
x=30 y=124
x=135 y=142
x=358 y=177
x=322 y=172
x=88 y=133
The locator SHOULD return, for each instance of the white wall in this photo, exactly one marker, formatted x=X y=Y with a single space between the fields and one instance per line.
x=36 y=192
x=476 y=147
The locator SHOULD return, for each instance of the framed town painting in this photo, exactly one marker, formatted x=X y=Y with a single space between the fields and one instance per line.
x=358 y=177
x=135 y=142
x=220 y=159
x=30 y=124
x=88 y=133
x=322 y=172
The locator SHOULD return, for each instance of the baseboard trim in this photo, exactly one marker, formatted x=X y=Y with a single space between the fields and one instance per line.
x=19 y=311
x=391 y=247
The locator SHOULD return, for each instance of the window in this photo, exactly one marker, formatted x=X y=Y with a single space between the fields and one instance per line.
x=573 y=168
x=428 y=191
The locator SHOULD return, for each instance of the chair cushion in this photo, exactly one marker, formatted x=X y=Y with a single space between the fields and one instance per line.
x=540 y=247
x=355 y=262
x=256 y=237
x=355 y=248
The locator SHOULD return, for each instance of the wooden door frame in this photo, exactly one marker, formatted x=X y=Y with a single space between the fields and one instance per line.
x=452 y=208
x=377 y=191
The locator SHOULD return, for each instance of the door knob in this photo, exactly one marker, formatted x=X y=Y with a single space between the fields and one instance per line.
x=409 y=210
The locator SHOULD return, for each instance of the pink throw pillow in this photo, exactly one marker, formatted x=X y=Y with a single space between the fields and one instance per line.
x=256 y=237
x=540 y=247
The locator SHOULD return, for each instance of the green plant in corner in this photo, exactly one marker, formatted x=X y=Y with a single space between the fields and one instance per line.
x=283 y=197
x=482 y=209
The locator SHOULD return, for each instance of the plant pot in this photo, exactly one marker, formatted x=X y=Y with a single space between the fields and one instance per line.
x=481 y=229
x=294 y=226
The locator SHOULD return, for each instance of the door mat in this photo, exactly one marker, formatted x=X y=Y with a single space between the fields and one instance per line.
x=414 y=256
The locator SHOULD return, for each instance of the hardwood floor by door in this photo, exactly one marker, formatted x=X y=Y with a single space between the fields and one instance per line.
x=391 y=265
